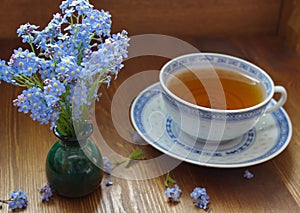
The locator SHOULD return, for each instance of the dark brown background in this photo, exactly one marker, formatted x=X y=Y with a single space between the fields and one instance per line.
x=173 y=17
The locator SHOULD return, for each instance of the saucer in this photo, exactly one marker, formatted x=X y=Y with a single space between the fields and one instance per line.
x=266 y=140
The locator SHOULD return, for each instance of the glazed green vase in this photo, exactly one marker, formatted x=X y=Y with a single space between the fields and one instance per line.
x=73 y=166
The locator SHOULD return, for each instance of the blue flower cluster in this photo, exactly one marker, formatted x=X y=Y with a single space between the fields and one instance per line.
x=65 y=65
x=18 y=200
x=39 y=104
x=200 y=197
x=173 y=194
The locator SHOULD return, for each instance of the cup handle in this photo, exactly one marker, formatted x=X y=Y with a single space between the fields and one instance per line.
x=281 y=101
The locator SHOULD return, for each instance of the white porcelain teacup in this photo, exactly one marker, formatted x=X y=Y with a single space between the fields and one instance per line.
x=210 y=123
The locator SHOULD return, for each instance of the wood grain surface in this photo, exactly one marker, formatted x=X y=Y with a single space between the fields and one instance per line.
x=290 y=23
x=172 y=17
x=274 y=188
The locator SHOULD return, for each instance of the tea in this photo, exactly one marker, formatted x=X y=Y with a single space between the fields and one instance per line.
x=222 y=89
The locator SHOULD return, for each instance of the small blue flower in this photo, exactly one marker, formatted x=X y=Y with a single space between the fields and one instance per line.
x=107 y=168
x=248 y=174
x=69 y=12
x=136 y=137
x=46 y=192
x=173 y=194
x=100 y=22
x=6 y=72
x=83 y=7
x=200 y=198
x=39 y=104
x=69 y=67
x=23 y=63
x=54 y=88
x=65 y=5
x=45 y=69
x=58 y=19
x=27 y=32
x=109 y=182
x=49 y=34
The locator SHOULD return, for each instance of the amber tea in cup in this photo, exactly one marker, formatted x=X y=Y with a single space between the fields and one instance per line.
x=215 y=97
x=240 y=91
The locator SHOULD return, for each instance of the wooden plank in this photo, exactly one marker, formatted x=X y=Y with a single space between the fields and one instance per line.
x=196 y=17
x=172 y=17
x=13 y=13
x=290 y=23
x=287 y=7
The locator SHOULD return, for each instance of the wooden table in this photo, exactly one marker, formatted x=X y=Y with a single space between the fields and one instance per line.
x=274 y=188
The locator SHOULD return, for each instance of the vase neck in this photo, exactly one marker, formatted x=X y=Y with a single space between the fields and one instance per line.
x=74 y=140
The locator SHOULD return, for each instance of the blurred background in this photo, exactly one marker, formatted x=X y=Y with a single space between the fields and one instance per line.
x=172 y=17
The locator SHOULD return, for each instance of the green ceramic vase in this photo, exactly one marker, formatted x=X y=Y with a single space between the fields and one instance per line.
x=73 y=166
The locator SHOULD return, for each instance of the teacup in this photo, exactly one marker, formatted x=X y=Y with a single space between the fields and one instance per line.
x=218 y=121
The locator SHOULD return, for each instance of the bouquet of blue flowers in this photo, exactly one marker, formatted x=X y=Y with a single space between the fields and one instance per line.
x=65 y=64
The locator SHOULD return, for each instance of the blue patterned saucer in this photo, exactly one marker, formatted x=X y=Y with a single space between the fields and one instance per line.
x=265 y=141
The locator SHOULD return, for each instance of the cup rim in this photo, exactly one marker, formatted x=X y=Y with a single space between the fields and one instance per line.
x=261 y=104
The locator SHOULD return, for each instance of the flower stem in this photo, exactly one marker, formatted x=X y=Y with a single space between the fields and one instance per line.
x=4 y=201
x=169 y=179
x=137 y=154
x=32 y=47
x=64 y=124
